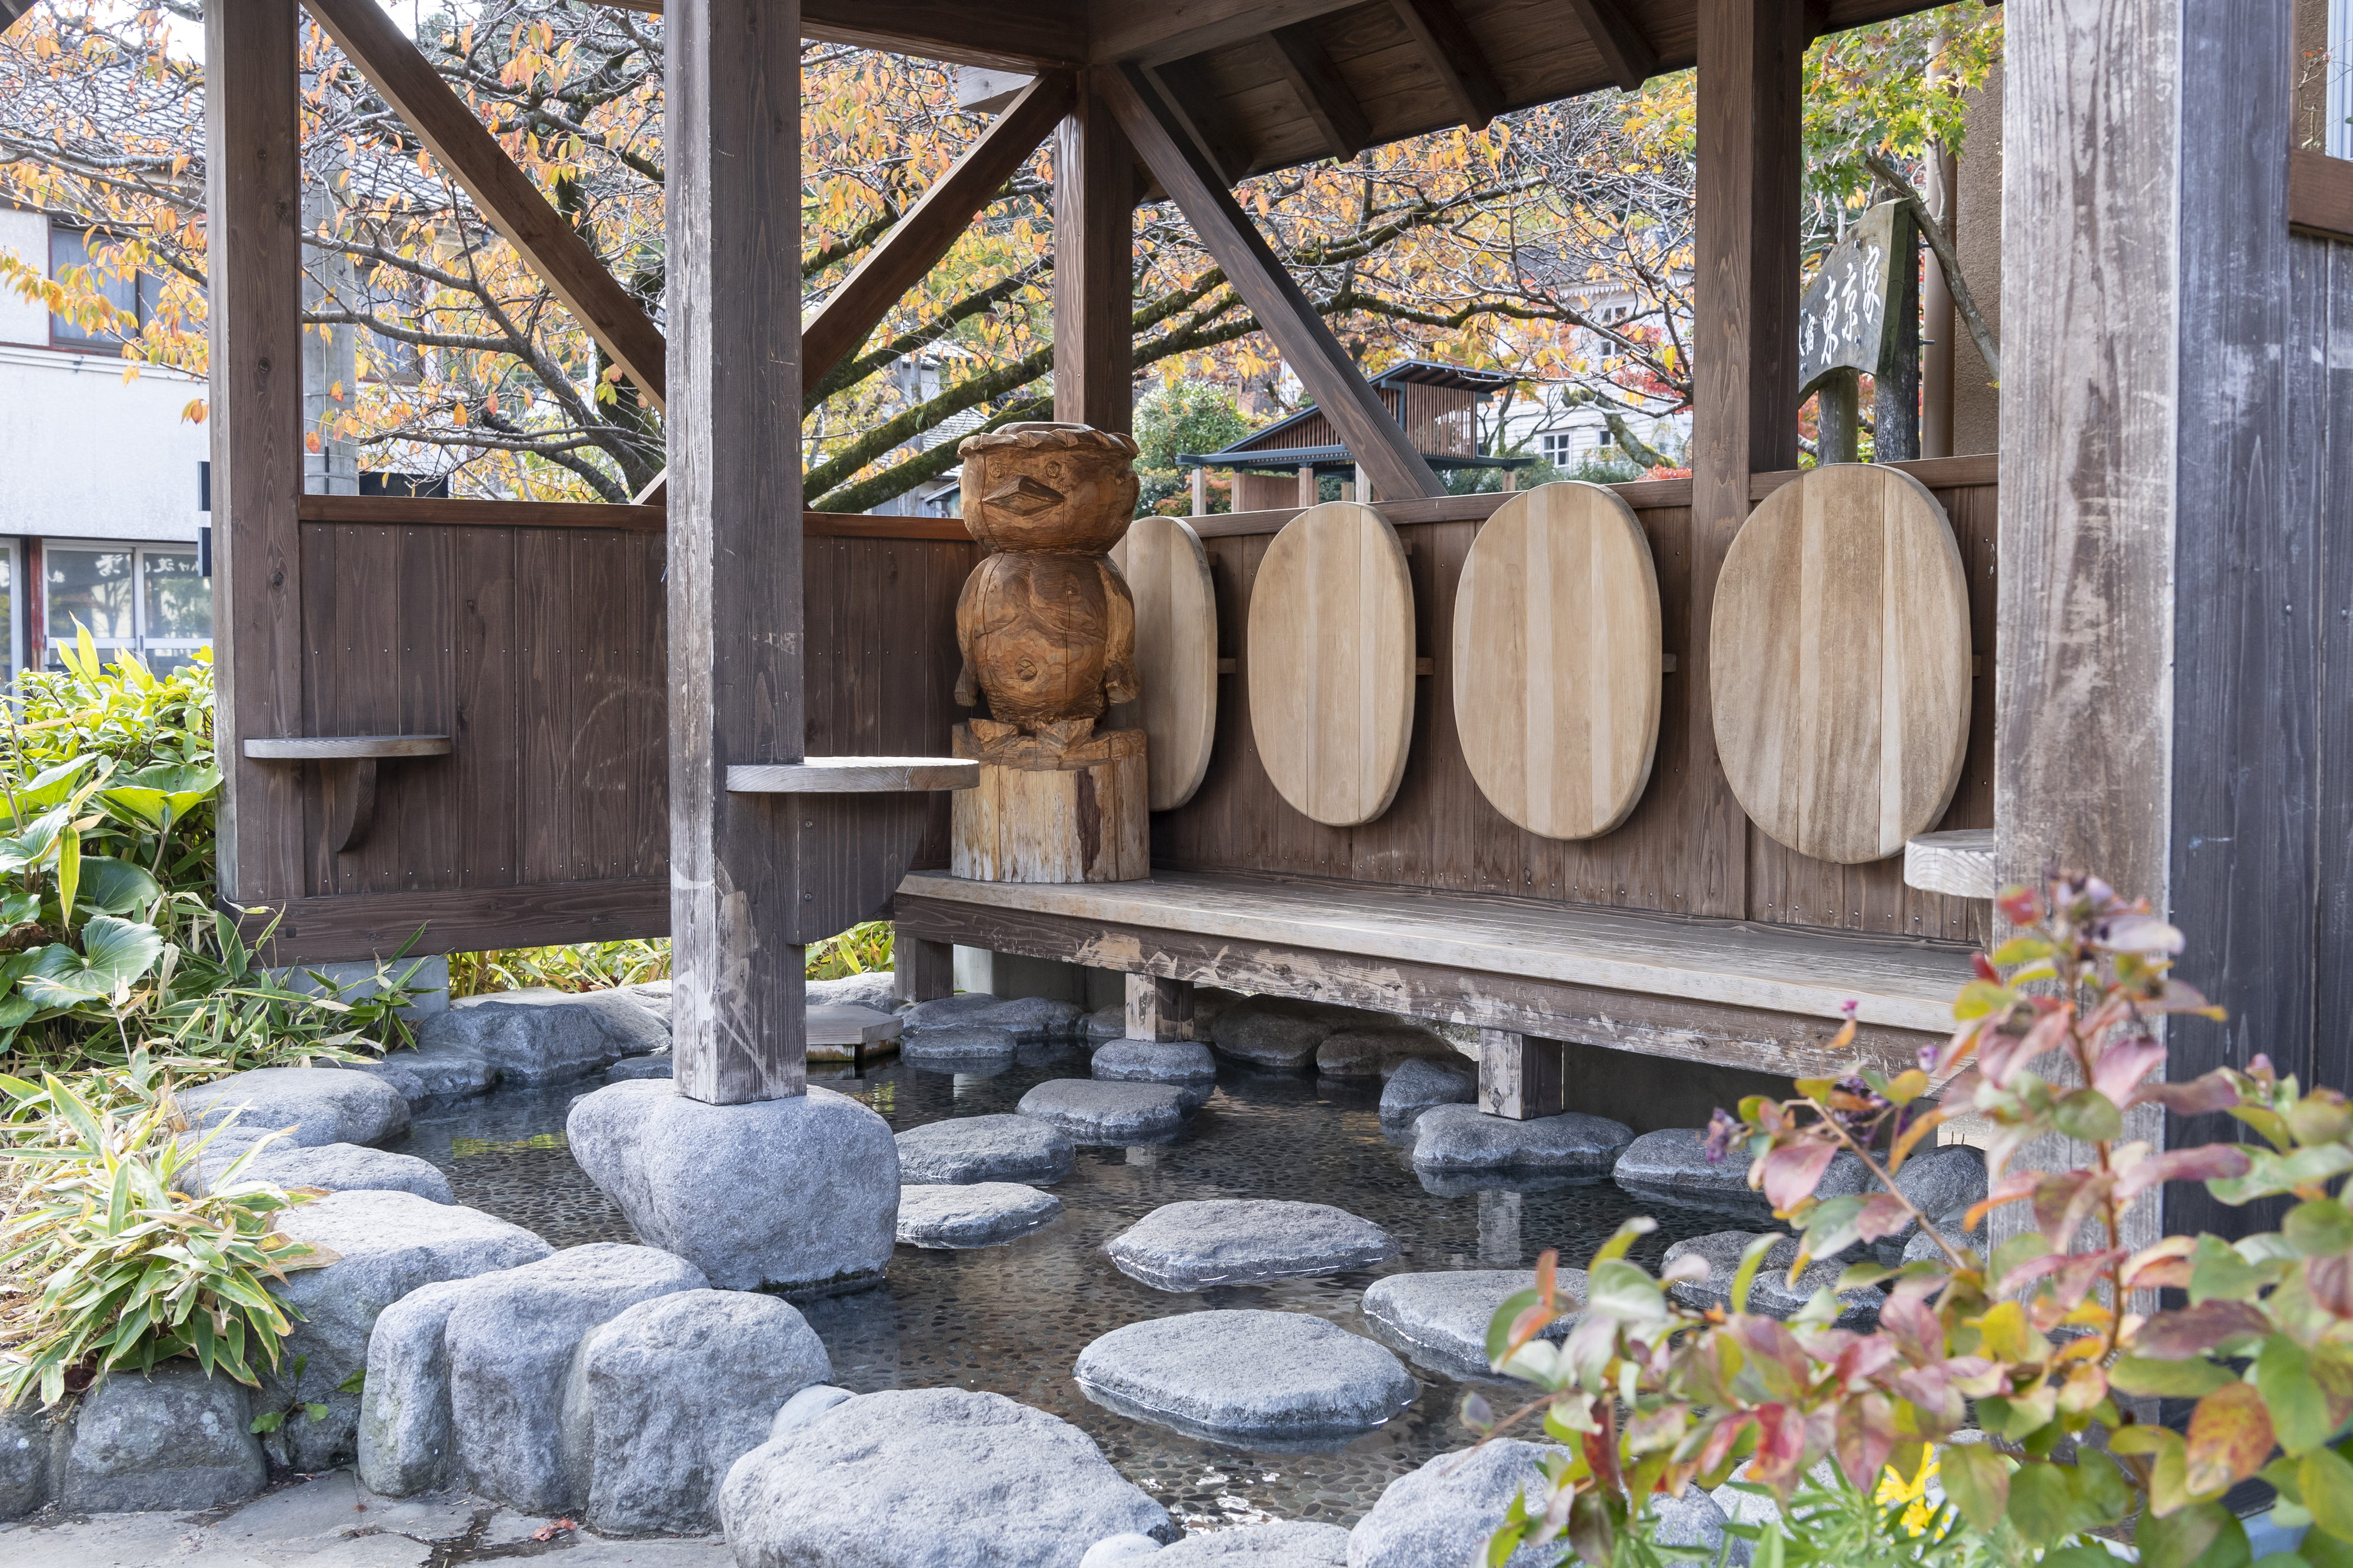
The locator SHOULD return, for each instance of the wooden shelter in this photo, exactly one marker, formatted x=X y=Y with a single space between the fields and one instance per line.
x=2156 y=604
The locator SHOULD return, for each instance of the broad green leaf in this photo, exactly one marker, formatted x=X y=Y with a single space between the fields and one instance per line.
x=2268 y=1173
x=2203 y=1536
x=2298 y=1404
x=1499 y=1327
x=68 y=875
x=159 y=797
x=355 y=1384
x=117 y=887
x=2149 y=1377
x=2220 y=1273
x=2041 y=1504
x=2088 y=1114
x=269 y=1421
x=1978 y=1481
x=2322 y=1227
x=114 y=953
x=2325 y=1479
x=51 y=785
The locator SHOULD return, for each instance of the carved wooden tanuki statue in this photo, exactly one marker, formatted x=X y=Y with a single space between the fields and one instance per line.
x=1048 y=630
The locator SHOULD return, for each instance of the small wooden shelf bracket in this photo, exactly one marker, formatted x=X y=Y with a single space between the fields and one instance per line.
x=347 y=765
x=853 y=775
x=1960 y=862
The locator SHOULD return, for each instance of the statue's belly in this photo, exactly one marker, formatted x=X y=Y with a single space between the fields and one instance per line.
x=1038 y=651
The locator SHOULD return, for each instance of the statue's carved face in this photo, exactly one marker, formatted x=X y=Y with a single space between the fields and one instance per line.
x=1055 y=500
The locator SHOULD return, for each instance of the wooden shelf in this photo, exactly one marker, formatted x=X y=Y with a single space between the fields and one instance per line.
x=853 y=775
x=344 y=748
x=1960 y=862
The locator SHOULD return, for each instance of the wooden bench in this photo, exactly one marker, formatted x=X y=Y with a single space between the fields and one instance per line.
x=1529 y=973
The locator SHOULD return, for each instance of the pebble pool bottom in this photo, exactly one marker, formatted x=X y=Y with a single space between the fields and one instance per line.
x=1013 y=1318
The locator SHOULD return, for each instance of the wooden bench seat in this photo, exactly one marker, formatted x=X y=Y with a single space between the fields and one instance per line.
x=1762 y=997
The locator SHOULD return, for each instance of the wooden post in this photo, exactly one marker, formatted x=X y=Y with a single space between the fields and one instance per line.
x=1200 y=492
x=1838 y=417
x=1896 y=392
x=733 y=79
x=1521 y=1076
x=254 y=196
x=1159 y=1009
x=1938 y=321
x=1094 y=267
x=1745 y=364
x=920 y=971
x=1307 y=487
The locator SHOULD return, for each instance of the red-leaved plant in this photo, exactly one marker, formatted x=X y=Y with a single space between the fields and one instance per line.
x=2057 y=1039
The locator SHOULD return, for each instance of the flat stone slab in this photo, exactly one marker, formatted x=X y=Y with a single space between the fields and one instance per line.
x=1417 y=1084
x=1194 y=1245
x=1441 y=1319
x=1246 y=1376
x=1087 y=1111
x=1378 y=1050
x=331 y=1167
x=545 y=1035
x=1770 y=1293
x=635 y=1068
x=836 y=1031
x=1293 y=1543
x=314 y=1105
x=1155 y=1061
x=943 y=1011
x=1670 y=1166
x=875 y=989
x=930 y=1478
x=967 y=1148
x=1445 y=1512
x=959 y=1048
x=976 y=1214
x=1268 y=1037
x=1464 y=1137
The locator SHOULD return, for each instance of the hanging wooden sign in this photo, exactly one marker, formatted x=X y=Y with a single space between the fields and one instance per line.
x=1842 y=317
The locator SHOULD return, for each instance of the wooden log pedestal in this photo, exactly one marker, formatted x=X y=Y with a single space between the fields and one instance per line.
x=1065 y=805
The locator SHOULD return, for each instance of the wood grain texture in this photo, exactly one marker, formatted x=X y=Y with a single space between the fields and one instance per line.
x=2320 y=194
x=1167 y=571
x=1087 y=820
x=334 y=928
x=1158 y=1008
x=345 y=747
x=1631 y=60
x=1840 y=643
x=1095 y=264
x=1455 y=57
x=1324 y=93
x=920 y=971
x=2322 y=478
x=1556 y=660
x=853 y=775
x=1331 y=652
x=1521 y=1076
x=253 y=194
x=1960 y=862
x=431 y=511
x=459 y=142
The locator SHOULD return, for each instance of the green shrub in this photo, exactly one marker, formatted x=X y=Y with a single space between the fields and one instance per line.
x=600 y=965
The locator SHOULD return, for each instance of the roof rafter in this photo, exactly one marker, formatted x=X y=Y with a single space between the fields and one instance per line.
x=1322 y=92
x=1627 y=54
x=1450 y=50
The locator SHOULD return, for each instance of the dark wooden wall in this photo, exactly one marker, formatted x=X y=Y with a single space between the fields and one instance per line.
x=1440 y=832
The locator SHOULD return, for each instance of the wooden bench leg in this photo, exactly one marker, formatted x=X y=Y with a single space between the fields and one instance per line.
x=1159 y=1009
x=920 y=971
x=1521 y=1076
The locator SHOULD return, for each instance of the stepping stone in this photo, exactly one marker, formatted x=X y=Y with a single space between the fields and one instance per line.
x=1943 y=1183
x=943 y=1011
x=313 y=1105
x=1417 y=1085
x=1105 y=1024
x=978 y=1214
x=962 y=1047
x=635 y=1068
x=1184 y=1063
x=1244 y=1241
x=1293 y=1543
x=1440 y=1319
x=331 y=1167
x=1471 y=1184
x=871 y=990
x=983 y=1148
x=1086 y=1111
x=1670 y=1166
x=1770 y=1294
x=1378 y=1051
x=443 y=1073
x=1279 y=1042
x=1464 y=1137
x=547 y=1036
x=930 y=1478
x=1030 y=1019
x=1253 y=1378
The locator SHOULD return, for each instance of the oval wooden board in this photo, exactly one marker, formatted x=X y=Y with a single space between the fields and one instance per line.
x=1839 y=658
x=1175 y=654
x=1556 y=660
x=1330 y=663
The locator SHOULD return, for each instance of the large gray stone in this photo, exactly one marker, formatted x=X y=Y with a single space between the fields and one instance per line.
x=466 y=1379
x=1670 y=1166
x=312 y=1105
x=934 y=1478
x=1770 y=1294
x=541 y=1036
x=1294 y=1543
x=1692 y=1520
x=796 y=1196
x=668 y=1395
x=874 y=989
x=1032 y=1020
x=33 y=1443
x=334 y=1167
x=172 y=1438
x=1086 y=1111
x=1187 y=1064
x=1378 y=1050
x=943 y=1011
x=1444 y=1512
x=387 y=1245
x=1464 y=1137
x=1202 y=1242
x=978 y=1214
x=1418 y=1084
x=1000 y=1148
x=444 y=1072
x=1440 y=1319
x=633 y=1068
x=1105 y=1024
x=1269 y=1036
x=1943 y=1183
x=1253 y=1378
x=958 y=1048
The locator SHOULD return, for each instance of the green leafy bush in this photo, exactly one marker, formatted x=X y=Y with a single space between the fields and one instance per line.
x=2052 y=1345
x=600 y=965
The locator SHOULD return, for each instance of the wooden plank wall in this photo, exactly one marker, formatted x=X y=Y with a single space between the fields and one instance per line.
x=1440 y=832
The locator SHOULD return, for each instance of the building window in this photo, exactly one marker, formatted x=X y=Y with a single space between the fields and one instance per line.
x=2340 y=142
x=1560 y=447
x=152 y=600
x=134 y=298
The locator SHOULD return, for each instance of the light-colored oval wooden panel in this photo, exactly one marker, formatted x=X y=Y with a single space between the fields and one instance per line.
x=1556 y=660
x=1175 y=654
x=1840 y=659
x=1331 y=663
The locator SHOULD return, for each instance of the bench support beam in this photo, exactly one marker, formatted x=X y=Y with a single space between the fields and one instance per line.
x=920 y=971
x=1521 y=1076
x=1159 y=1008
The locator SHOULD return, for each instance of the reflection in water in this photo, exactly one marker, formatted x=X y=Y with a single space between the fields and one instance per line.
x=1013 y=1318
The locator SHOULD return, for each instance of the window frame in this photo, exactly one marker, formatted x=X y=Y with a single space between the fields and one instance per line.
x=142 y=300
x=2338 y=139
x=140 y=641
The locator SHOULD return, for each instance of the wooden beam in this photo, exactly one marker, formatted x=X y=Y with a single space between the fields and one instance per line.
x=1158 y=1008
x=733 y=75
x=2320 y=194
x=1187 y=94
x=1322 y=92
x=1094 y=267
x=1037 y=35
x=1521 y=1076
x=1450 y=50
x=11 y=9
x=1745 y=356
x=915 y=244
x=253 y=203
x=920 y=971
x=507 y=198
x=1122 y=31
x=434 y=511
x=1284 y=311
x=1627 y=54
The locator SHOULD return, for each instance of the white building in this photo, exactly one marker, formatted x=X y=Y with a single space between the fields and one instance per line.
x=100 y=513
